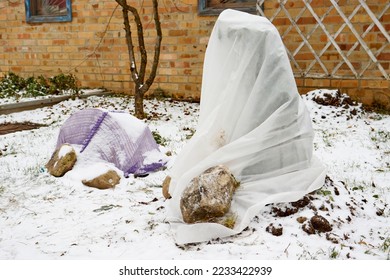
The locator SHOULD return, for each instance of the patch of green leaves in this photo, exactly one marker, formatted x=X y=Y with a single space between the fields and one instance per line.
x=380 y=136
x=386 y=245
x=12 y=85
x=63 y=82
x=106 y=208
x=324 y=192
x=333 y=254
x=358 y=188
x=159 y=139
x=35 y=87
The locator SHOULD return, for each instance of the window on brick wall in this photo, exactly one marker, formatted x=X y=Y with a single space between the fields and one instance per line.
x=215 y=7
x=48 y=10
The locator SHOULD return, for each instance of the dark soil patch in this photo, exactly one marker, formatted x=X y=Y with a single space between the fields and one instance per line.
x=275 y=230
x=337 y=100
x=332 y=238
x=349 y=108
x=6 y=128
x=301 y=220
x=280 y=212
x=320 y=223
x=308 y=228
x=301 y=203
x=291 y=208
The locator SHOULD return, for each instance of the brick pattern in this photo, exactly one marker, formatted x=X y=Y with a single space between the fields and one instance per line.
x=97 y=53
x=99 y=57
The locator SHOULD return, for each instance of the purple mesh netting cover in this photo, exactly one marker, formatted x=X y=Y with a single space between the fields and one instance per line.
x=114 y=137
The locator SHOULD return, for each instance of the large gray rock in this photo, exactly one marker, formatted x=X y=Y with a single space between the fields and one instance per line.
x=62 y=160
x=104 y=181
x=208 y=196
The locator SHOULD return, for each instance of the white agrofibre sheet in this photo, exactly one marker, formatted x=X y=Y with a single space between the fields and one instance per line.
x=252 y=120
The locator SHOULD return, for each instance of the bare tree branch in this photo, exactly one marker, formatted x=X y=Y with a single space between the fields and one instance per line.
x=157 y=46
x=129 y=41
x=141 y=86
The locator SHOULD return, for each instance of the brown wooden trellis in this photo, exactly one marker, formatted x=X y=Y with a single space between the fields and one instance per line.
x=322 y=70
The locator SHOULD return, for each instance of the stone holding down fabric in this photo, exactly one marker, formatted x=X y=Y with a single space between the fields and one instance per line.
x=115 y=137
x=253 y=121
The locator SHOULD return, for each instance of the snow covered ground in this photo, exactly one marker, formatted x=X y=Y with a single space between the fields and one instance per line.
x=43 y=217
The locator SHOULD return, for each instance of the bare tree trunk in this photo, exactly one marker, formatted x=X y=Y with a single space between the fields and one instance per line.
x=141 y=84
x=139 y=102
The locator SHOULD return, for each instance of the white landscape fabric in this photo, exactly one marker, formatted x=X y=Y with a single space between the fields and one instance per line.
x=252 y=120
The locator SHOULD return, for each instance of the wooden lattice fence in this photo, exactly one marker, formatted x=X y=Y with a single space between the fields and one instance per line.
x=335 y=40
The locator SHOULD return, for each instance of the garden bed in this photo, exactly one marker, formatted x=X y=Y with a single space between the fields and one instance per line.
x=43 y=217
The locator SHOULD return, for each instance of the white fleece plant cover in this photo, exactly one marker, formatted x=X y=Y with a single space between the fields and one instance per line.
x=252 y=120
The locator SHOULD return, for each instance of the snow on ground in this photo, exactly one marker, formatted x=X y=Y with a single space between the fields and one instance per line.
x=22 y=98
x=43 y=217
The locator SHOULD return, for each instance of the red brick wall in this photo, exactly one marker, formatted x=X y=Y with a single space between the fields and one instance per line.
x=99 y=57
